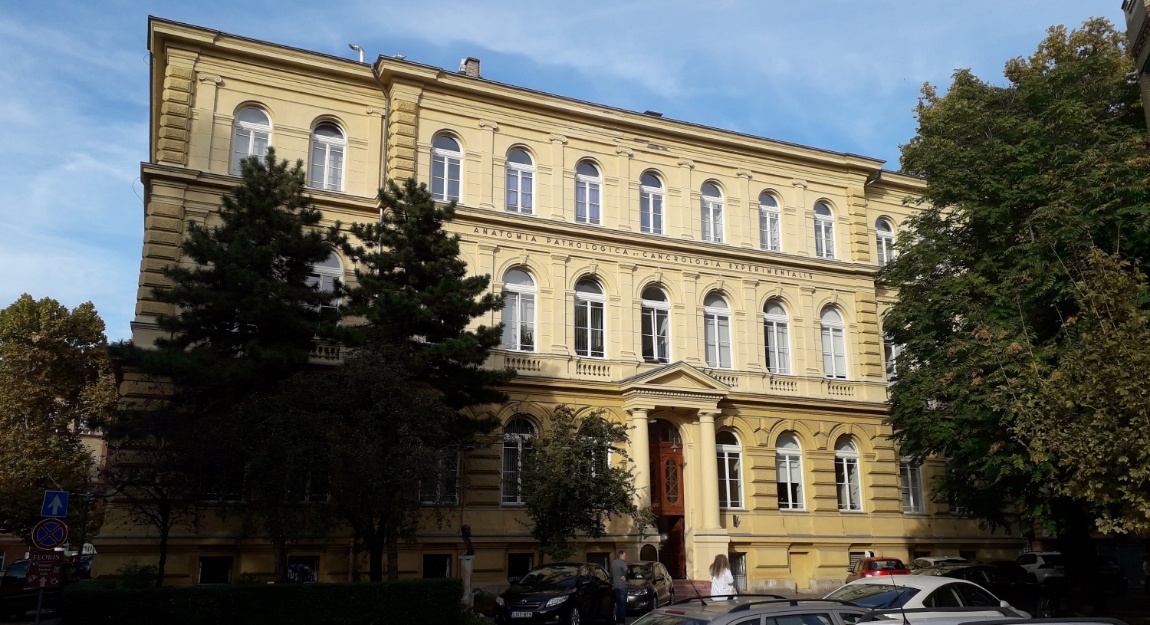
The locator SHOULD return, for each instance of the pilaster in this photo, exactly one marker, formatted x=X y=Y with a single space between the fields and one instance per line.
x=558 y=174
x=749 y=220
x=486 y=165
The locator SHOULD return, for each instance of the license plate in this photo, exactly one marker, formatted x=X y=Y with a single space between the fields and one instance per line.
x=521 y=615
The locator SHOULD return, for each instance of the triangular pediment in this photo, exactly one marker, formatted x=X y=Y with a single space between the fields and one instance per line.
x=678 y=376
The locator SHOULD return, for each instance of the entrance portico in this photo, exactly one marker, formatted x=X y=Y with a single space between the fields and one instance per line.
x=673 y=410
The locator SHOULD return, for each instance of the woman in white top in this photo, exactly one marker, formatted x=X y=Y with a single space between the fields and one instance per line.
x=722 y=582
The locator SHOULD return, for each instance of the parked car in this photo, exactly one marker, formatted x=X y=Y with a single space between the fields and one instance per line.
x=873 y=567
x=1007 y=581
x=15 y=601
x=1042 y=565
x=745 y=608
x=649 y=586
x=924 y=591
x=1111 y=577
x=929 y=561
x=562 y=592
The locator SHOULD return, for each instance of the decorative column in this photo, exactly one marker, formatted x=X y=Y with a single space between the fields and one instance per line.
x=686 y=219
x=750 y=220
x=708 y=470
x=641 y=455
x=628 y=216
x=558 y=178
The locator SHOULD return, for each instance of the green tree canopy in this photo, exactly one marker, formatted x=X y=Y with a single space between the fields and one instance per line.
x=55 y=380
x=1024 y=183
x=577 y=477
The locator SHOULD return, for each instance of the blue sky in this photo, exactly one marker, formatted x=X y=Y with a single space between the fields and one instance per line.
x=836 y=74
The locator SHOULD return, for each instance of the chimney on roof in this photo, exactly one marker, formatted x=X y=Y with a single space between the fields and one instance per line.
x=469 y=67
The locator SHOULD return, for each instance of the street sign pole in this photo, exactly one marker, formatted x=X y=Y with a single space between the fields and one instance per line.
x=40 y=599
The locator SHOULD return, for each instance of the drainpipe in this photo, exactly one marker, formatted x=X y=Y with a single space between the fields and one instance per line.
x=386 y=122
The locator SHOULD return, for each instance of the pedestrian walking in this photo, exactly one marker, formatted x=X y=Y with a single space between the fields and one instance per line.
x=619 y=584
x=722 y=582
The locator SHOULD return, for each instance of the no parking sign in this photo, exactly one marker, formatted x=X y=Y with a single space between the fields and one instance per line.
x=49 y=534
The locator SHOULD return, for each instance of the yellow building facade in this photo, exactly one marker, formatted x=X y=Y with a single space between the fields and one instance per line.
x=715 y=291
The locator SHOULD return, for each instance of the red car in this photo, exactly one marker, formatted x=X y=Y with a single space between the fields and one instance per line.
x=873 y=567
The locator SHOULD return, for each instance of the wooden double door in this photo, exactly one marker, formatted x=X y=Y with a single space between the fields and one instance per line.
x=666 y=471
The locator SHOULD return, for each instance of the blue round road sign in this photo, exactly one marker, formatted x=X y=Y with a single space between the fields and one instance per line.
x=49 y=534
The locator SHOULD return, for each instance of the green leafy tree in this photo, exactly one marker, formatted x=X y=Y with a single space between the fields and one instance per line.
x=576 y=479
x=55 y=380
x=1023 y=183
x=417 y=342
x=246 y=314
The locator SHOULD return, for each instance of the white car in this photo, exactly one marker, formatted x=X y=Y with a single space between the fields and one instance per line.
x=1042 y=565
x=918 y=594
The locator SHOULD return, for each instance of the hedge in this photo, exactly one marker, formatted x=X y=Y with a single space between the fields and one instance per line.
x=407 y=602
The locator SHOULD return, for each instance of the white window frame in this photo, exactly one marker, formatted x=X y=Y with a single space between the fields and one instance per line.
x=714 y=319
x=711 y=207
x=777 y=339
x=587 y=304
x=848 y=482
x=910 y=485
x=833 y=334
x=730 y=486
x=656 y=315
x=884 y=241
x=515 y=299
x=589 y=209
x=891 y=352
x=520 y=176
x=328 y=158
x=770 y=220
x=323 y=275
x=247 y=137
x=789 y=480
x=824 y=232
x=651 y=203
x=449 y=160
x=518 y=444
x=444 y=489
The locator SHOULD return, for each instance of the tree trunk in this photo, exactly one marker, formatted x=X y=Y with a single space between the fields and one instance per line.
x=374 y=559
x=1079 y=558
x=165 y=530
x=280 y=553
x=392 y=555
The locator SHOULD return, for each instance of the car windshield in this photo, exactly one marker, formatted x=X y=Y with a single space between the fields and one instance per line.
x=874 y=595
x=653 y=618
x=640 y=571
x=550 y=577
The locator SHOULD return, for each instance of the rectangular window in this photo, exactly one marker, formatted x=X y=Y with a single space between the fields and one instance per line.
x=586 y=202
x=444 y=177
x=515 y=451
x=443 y=486
x=519 y=321
x=656 y=328
x=730 y=479
x=824 y=238
x=769 y=230
x=847 y=483
x=589 y=328
x=910 y=481
x=651 y=212
x=834 y=353
x=215 y=570
x=303 y=569
x=790 y=482
x=436 y=565
x=519 y=563
x=602 y=558
x=519 y=191
x=712 y=221
x=778 y=347
x=717 y=335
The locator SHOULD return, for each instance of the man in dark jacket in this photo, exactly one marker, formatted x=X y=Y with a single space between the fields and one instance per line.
x=619 y=583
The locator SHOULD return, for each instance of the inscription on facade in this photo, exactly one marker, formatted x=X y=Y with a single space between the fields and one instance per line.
x=618 y=250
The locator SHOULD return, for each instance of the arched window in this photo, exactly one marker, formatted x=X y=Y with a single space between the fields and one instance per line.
x=884 y=241
x=730 y=456
x=251 y=135
x=769 y=230
x=824 y=231
x=847 y=479
x=776 y=333
x=834 y=344
x=588 y=182
x=656 y=325
x=446 y=163
x=327 y=148
x=518 y=311
x=589 y=302
x=650 y=204
x=789 y=470
x=712 y=207
x=717 y=331
x=441 y=485
x=520 y=181
x=324 y=276
x=517 y=436
x=910 y=483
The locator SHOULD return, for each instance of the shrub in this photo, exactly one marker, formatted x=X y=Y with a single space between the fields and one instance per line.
x=407 y=602
x=137 y=576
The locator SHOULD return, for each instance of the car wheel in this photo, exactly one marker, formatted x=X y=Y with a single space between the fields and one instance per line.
x=1044 y=608
x=573 y=616
x=671 y=597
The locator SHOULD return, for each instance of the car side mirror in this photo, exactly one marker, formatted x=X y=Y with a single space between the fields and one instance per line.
x=513 y=580
x=1004 y=604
